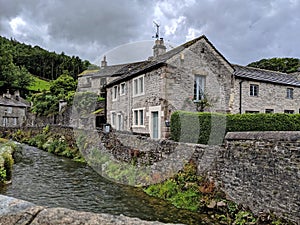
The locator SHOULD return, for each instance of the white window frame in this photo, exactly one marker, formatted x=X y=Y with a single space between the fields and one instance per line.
x=122 y=88
x=289 y=93
x=254 y=90
x=199 y=87
x=138 y=86
x=5 y=121
x=138 y=121
x=113 y=118
x=115 y=92
x=9 y=110
x=15 y=121
x=119 y=121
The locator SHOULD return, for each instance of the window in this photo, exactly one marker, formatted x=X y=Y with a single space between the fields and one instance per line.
x=138 y=86
x=289 y=111
x=199 y=84
x=122 y=89
x=254 y=89
x=115 y=93
x=9 y=110
x=113 y=119
x=15 y=121
x=250 y=111
x=269 y=111
x=289 y=93
x=138 y=117
x=120 y=122
x=5 y=121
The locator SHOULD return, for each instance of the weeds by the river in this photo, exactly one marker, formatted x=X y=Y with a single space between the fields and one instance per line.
x=200 y=194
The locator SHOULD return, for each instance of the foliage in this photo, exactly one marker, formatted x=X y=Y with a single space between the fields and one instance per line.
x=47 y=102
x=189 y=191
x=6 y=161
x=12 y=76
x=285 y=65
x=39 y=85
x=40 y=62
x=203 y=127
x=51 y=142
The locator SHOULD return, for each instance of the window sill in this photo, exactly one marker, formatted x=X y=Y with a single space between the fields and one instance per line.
x=137 y=95
x=138 y=126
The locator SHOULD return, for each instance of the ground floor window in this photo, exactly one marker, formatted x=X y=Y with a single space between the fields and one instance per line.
x=269 y=111
x=289 y=111
x=113 y=119
x=5 y=121
x=138 y=117
x=250 y=111
x=119 y=121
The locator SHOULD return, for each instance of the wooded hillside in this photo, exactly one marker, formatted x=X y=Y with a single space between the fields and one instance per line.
x=40 y=62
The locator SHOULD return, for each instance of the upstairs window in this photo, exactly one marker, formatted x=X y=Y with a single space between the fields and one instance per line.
x=254 y=88
x=115 y=93
x=199 y=84
x=289 y=93
x=138 y=86
x=122 y=89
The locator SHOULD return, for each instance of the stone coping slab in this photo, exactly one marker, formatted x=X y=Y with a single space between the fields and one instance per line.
x=16 y=211
x=264 y=135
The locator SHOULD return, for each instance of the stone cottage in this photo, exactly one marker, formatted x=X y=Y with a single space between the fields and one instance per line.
x=13 y=110
x=141 y=96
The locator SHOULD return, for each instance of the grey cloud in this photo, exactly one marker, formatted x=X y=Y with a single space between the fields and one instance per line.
x=242 y=30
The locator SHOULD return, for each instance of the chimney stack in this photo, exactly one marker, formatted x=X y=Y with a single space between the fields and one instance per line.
x=159 y=47
x=104 y=62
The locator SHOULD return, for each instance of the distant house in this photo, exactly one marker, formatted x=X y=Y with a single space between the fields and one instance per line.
x=141 y=96
x=13 y=110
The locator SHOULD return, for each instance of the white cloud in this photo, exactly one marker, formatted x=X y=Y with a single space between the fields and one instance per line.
x=171 y=28
x=16 y=25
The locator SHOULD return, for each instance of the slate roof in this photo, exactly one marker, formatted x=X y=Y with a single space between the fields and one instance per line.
x=159 y=61
x=252 y=73
x=11 y=102
x=126 y=71
x=114 y=70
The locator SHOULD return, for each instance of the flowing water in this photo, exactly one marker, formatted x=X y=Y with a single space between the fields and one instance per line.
x=48 y=180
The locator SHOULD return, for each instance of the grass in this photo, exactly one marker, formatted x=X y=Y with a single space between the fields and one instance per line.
x=39 y=84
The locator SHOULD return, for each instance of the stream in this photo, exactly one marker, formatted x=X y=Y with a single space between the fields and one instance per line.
x=48 y=180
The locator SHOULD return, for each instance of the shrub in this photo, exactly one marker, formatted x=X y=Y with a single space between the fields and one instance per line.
x=210 y=128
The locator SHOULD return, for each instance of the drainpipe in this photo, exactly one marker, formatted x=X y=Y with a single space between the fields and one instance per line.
x=241 y=96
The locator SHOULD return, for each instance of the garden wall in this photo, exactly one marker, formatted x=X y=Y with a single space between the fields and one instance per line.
x=262 y=170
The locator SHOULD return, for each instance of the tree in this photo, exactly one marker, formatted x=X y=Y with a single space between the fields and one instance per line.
x=47 y=102
x=285 y=65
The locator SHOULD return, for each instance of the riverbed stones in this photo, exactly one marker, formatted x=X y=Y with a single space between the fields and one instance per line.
x=14 y=211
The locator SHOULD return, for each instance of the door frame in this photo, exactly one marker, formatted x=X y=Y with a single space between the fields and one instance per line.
x=155 y=109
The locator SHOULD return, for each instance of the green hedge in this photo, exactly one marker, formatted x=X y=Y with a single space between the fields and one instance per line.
x=210 y=128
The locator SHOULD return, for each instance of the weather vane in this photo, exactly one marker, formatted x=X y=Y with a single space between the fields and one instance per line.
x=157 y=30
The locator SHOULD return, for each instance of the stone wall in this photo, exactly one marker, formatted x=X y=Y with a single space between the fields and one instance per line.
x=262 y=170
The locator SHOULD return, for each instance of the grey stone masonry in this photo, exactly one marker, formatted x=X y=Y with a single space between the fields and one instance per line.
x=262 y=170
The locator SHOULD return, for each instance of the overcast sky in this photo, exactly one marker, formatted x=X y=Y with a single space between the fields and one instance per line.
x=243 y=31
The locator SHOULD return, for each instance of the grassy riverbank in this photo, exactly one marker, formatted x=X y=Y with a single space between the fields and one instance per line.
x=200 y=194
x=47 y=140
